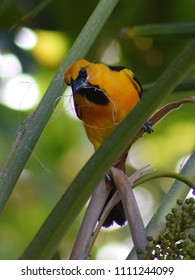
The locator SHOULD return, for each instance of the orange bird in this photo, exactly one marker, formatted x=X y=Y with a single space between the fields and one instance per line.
x=103 y=96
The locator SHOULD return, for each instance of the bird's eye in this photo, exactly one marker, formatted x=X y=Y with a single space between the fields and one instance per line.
x=82 y=72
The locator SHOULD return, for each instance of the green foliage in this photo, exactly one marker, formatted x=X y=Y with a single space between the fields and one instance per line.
x=178 y=240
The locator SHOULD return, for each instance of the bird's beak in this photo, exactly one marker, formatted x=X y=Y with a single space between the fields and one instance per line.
x=76 y=85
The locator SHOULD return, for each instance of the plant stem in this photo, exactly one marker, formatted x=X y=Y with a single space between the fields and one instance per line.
x=162 y=31
x=132 y=213
x=173 y=175
x=81 y=247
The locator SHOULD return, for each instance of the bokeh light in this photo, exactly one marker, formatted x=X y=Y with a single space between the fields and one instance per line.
x=9 y=65
x=51 y=48
x=112 y=53
x=26 y=38
x=68 y=103
x=20 y=93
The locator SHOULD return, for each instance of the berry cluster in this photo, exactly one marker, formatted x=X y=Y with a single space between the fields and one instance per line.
x=178 y=240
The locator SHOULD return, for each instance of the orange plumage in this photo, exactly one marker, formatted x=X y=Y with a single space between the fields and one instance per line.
x=115 y=90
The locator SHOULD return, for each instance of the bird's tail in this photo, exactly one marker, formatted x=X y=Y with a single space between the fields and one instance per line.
x=117 y=214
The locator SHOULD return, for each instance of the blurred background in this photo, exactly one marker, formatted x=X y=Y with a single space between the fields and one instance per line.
x=35 y=37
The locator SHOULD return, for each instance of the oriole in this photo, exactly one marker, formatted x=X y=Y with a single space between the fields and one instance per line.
x=103 y=96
